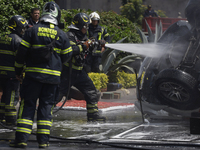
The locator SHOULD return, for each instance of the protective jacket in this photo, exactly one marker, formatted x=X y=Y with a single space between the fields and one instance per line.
x=31 y=22
x=38 y=36
x=8 y=47
x=99 y=33
x=76 y=40
x=8 y=82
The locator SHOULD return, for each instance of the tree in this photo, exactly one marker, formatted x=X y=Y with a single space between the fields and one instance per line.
x=133 y=10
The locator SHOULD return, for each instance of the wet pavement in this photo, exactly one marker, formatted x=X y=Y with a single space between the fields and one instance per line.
x=123 y=130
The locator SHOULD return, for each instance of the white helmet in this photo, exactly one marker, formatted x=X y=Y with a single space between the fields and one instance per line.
x=94 y=16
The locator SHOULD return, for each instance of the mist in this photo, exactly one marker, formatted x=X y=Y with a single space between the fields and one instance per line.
x=148 y=50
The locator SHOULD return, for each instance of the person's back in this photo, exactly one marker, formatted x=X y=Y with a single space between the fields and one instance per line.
x=42 y=76
x=41 y=35
x=8 y=82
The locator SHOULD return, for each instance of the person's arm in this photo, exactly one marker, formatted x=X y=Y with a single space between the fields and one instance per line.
x=20 y=57
x=77 y=48
x=22 y=52
x=66 y=51
x=106 y=37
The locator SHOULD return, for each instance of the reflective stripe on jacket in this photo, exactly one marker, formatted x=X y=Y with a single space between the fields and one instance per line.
x=8 y=47
x=39 y=36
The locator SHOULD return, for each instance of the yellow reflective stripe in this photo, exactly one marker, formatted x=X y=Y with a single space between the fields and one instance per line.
x=26 y=44
x=38 y=45
x=44 y=145
x=12 y=98
x=72 y=43
x=44 y=122
x=9 y=107
x=65 y=51
x=7 y=68
x=74 y=67
x=107 y=34
x=25 y=130
x=57 y=50
x=92 y=110
x=91 y=105
x=98 y=51
x=2 y=104
x=21 y=109
x=18 y=65
x=80 y=47
x=12 y=113
x=43 y=131
x=42 y=70
x=25 y=121
x=7 y=52
x=99 y=35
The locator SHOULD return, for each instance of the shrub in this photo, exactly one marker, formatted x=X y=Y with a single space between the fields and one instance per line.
x=133 y=11
x=126 y=79
x=100 y=80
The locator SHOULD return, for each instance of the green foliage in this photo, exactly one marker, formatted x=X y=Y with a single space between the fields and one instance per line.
x=133 y=11
x=161 y=13
x=126 y=79
x=100 y=80
x=115 y=24
x=10 y=8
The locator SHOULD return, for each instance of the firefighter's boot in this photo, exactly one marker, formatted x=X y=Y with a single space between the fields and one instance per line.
x=93 y=114
x=17 y=144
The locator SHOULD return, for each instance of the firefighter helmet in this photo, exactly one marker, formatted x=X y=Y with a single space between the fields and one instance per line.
x=80 y=20
x=51 y=13
x=18 y=24
x=94 y=16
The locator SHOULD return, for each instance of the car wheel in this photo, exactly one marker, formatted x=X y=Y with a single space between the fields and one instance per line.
x=177 y=89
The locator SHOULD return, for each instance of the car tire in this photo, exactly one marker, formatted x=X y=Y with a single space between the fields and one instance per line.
x=177 y=89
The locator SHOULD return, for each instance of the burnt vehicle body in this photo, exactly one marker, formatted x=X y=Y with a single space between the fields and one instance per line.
x=171 y=82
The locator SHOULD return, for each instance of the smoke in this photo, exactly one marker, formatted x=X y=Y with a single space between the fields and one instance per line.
x=148 y=50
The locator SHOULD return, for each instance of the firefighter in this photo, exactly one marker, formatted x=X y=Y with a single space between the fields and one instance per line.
x=8 y=82
x=97 y=32
x=42 y=77
x=79 y=78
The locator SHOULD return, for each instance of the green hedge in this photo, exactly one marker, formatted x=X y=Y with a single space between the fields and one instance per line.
x=126 y=79
x=116 y=25
x=100 y=80
x=10 y=8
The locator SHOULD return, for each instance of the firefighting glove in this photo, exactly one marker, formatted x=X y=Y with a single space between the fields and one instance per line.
x=102 y=43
